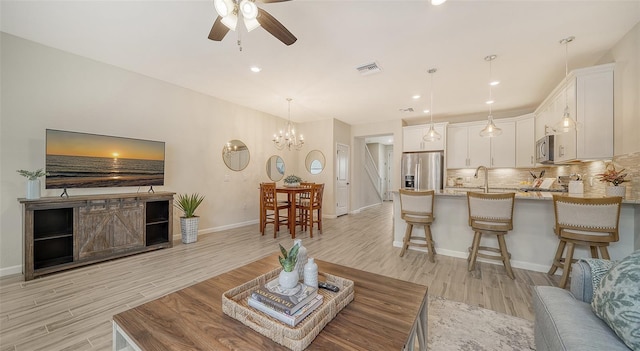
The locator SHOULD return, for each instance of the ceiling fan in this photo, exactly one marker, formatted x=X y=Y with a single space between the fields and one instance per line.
x=253 y=16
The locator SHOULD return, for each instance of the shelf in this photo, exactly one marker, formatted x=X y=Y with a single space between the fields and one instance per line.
x=52 y=222
x=159 y=221
x=53 y=236
x=157 y=233
x=52 y=262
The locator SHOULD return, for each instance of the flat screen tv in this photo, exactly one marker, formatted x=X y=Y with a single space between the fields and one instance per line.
x=82 y=160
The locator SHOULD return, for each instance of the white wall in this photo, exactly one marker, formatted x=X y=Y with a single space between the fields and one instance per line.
x=47 y=88
x=360 y=199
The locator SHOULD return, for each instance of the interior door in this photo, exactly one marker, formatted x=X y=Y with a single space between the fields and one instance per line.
x=342 y=179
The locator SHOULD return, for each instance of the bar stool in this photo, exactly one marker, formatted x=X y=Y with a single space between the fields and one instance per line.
x=490 y=214
x=270 y=208
x=416 y=208
x=591 y=222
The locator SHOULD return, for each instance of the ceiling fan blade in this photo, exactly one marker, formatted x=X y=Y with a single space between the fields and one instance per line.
x=219 y=30
x=271 y=25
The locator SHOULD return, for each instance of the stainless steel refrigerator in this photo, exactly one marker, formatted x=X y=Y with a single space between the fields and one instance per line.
x=422 y=170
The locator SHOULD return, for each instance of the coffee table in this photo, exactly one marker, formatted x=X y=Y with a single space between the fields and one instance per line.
x=386 y=314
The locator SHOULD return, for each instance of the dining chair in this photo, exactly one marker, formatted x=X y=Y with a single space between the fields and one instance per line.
x=591 y=222
x=270 y=209
x=311 y=204
x=416 y=208
x=490 y=214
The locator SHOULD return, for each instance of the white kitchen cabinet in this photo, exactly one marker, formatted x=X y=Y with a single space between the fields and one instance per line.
x=503 y=146
x=589 y=96
x=467 y=149
x=457 y=149
x=525 y=142
x=412 y=138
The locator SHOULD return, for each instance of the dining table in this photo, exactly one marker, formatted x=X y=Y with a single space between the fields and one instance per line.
x=292 y=196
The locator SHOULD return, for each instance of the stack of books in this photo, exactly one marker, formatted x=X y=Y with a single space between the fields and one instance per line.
x=290 y=306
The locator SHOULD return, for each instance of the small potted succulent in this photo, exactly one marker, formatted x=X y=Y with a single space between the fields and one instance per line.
x=189 y=221
x=614 y=178
x=292 y=181
x=33 y=183
x=289 y=275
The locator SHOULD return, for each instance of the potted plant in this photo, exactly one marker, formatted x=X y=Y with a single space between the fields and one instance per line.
x=189 y=221
x=33 y=183
x=614 y=178
x=288 y=277
x=292 y=180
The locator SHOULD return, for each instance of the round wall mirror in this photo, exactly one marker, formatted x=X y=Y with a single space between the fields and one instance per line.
x=314 y=161
x=275 y=168
x=235 y=155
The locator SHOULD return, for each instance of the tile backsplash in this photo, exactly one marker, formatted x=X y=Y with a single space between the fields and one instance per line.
x=520 y=177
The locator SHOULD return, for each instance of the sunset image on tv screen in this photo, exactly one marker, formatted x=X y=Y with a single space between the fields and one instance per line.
x=81 y=160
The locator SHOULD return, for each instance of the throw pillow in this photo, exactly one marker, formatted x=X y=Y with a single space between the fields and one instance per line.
x=616 y=300
x=599 y=268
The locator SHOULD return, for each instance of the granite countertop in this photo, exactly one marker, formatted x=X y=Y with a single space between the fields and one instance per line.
x=531 y=195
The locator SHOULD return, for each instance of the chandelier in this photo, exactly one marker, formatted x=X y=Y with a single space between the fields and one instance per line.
x=491 y=130
x=287 y=138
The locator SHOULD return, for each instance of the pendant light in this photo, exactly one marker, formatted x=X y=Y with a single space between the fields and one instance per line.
x=431 y=135
x=490 y=130
x=567 y=123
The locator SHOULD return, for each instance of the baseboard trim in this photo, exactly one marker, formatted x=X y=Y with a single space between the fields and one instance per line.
x=10 y=270
x=462 y=254
x=364 y=208
x=219 y=229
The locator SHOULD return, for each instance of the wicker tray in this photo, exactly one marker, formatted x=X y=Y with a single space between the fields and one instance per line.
x=234 y=304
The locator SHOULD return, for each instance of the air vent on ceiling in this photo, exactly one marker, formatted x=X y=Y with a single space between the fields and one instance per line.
x=369 y=68
x=406 y=109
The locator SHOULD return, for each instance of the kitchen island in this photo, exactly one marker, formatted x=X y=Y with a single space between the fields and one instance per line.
x=532 y=242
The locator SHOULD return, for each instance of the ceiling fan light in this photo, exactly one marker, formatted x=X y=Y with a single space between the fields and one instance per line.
x=249 y=9
x=223 y=7
x=231 y=21
x=251 y=24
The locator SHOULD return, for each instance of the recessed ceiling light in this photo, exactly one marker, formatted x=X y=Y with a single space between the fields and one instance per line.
x=416 y=97
x=494 y=83
x=255 y=69
x=437 y=2
x=489 y=102
x=425 y=111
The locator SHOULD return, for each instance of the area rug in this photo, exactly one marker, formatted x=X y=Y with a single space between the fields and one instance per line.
x=457 y=326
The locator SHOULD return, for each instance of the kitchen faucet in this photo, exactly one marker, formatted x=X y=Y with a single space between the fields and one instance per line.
x=486 y=177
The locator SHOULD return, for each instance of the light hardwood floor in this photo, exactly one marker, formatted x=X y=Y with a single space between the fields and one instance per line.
x=73 y=310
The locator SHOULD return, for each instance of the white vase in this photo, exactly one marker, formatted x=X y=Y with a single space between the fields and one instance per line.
x=619 y=190
x=301 y=258
x=288 y=280
x=33 y=189
x=189 y=229
x=311 y=273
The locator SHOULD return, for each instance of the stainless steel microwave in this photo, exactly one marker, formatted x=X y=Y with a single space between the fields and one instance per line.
x=544 y=150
